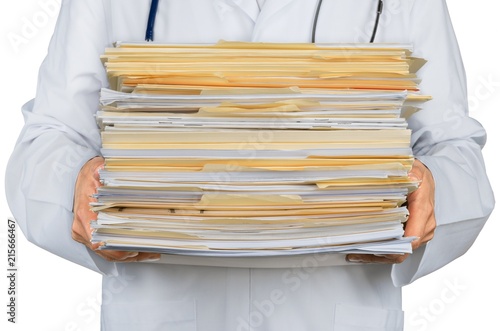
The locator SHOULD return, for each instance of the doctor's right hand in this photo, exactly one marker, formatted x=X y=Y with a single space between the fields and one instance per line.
x=86 y=185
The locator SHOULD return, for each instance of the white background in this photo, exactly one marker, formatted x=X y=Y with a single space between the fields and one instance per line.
x=56 y=295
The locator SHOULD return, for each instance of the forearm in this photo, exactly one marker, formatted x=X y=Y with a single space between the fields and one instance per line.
x=40 y=181
x=448 y=142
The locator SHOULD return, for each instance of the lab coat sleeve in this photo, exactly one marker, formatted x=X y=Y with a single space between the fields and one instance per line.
x=60 y=133
x=448 y=142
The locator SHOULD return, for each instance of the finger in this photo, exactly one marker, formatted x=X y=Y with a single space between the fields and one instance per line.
x=429 y=231
x=78 y=238
x=97 y=169
x=110 y=255
x=116 y=256
x=81 y=224
x=126 y=257
x=420 y=224
x=371 y=258
x=146 y=257
x=80 y=233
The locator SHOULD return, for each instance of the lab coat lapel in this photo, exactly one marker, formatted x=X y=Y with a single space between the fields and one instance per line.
x=267 y=14
x=248 y=7
x=271 y=8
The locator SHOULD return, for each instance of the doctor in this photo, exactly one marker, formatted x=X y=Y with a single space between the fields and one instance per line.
x=53 y=169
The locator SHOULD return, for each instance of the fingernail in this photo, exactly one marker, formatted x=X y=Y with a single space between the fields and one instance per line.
x=151 y=260
x=134 y=254
x=353 y=259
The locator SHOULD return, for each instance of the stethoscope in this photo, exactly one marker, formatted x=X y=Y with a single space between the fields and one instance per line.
x=154 y=8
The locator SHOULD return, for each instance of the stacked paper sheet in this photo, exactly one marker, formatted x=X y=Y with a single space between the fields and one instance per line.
x=243 y=149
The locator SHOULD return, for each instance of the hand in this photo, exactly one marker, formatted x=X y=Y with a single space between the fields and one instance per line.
x=421 y=222
x=86 y=185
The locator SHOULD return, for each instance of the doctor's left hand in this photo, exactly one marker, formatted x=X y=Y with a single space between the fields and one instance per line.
x=421 y=222
x=86 y=186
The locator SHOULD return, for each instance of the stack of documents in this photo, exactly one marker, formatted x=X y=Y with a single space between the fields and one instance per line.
x=255 y=149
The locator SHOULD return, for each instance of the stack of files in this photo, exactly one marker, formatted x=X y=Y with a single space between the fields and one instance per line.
x=255 y=149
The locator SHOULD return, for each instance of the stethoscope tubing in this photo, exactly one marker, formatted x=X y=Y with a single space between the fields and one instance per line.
x=154 y=9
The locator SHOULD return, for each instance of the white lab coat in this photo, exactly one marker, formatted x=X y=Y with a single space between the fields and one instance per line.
x=60 y=135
